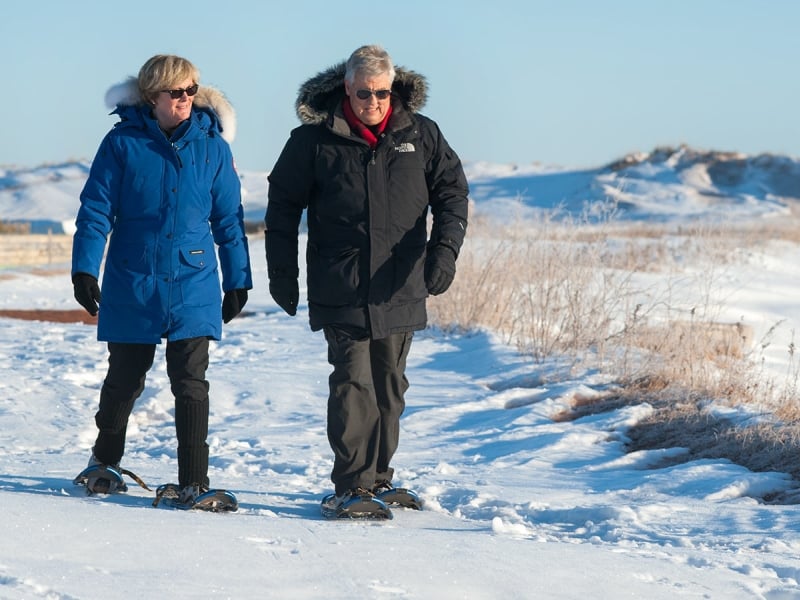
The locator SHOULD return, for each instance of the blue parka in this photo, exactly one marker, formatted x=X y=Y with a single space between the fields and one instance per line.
x=165 y=203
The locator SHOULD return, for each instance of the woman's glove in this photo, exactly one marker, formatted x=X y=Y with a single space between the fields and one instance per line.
x=232 y=303
x=86 y=291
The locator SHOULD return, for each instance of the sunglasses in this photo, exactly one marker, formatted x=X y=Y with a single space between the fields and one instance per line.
x=175 y=94
x=379 y=94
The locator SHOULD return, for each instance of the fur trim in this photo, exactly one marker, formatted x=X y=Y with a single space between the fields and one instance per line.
x=216 y=101
x=319 y=94
x=126 y=93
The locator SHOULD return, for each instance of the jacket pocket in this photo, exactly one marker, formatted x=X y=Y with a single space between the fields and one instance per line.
x=197 y=276
x=128 y=274
x=409 y=274
x=333 y=276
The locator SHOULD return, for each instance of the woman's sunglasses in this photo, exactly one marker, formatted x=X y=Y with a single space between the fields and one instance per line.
x=175 y=94
x=379 y=94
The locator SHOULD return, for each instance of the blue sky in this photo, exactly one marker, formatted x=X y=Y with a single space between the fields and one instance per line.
x=571 y=83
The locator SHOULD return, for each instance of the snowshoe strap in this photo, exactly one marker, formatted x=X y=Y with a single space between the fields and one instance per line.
x=136 y=478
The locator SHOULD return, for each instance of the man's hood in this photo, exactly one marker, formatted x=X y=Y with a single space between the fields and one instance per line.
x=320 y=95
x=208 y=100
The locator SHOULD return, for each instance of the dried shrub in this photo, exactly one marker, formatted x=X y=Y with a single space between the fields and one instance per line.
x=637 y=302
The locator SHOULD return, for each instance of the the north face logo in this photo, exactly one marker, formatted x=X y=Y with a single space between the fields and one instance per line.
x=405 y=147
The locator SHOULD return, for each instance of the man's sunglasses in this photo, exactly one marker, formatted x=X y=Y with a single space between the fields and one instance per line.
x=379 y=94
x=175 y=94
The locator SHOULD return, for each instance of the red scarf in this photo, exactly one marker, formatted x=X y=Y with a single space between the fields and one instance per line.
x=370 y=134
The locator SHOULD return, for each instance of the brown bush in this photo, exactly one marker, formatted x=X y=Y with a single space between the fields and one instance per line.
x=559 y=289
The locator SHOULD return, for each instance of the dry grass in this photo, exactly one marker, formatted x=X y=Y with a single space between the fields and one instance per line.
x=565 y=288
x=637 y=301
x=680 y=419
x=34 y=249
x=7 y=227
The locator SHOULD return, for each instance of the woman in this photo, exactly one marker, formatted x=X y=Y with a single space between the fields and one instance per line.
x=163 y=184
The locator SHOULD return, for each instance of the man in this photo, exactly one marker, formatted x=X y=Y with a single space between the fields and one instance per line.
x=367 y=167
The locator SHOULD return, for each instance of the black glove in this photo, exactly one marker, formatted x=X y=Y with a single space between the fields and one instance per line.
x=232 y=303
x=87 y=292
x=285 y=292
x=440 y=269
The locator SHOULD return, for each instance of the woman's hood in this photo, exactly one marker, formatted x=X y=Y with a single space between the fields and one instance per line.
x=319 y=96
x=208 y=100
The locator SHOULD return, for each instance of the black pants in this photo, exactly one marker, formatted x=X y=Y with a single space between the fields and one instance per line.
x=187 y=361
x=366 y=400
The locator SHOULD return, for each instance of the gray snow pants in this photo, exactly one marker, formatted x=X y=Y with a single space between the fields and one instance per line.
x=365 y=402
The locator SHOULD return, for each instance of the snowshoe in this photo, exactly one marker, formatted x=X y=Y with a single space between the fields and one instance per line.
x=402 y=497
x=358 y=503
x=105 y=479
x=196 y=497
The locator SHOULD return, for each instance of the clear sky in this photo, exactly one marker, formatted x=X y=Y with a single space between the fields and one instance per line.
x=567 y=82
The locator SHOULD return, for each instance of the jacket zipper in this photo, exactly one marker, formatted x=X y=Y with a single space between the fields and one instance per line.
x=177 y=155
x=375 y=150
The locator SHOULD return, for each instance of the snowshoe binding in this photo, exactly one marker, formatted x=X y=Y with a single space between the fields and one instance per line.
x=195 y=497
x=358 y=503
x=99 y=478
x=392 y=496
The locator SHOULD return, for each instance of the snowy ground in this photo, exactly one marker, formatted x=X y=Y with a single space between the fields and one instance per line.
x=517 y=506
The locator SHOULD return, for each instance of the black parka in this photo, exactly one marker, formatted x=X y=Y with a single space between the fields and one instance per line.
x=367 y=209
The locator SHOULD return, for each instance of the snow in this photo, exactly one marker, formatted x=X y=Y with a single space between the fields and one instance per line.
x=517 y=504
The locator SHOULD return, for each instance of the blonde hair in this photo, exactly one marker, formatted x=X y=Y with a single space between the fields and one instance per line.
x=164 y=72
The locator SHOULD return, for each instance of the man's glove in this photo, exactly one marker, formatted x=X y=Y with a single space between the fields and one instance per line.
x=285 y=291
x=232 y=303
x=440 y=269
x=86 y=291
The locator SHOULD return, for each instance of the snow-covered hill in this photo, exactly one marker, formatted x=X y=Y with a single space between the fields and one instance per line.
x=47 y=196
x=665 y=184
x=44 y=196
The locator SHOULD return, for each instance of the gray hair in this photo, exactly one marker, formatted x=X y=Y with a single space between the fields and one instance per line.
x=369 y=61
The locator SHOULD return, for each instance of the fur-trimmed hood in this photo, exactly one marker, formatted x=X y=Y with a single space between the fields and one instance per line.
x=207 y=99
x=320 y=95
